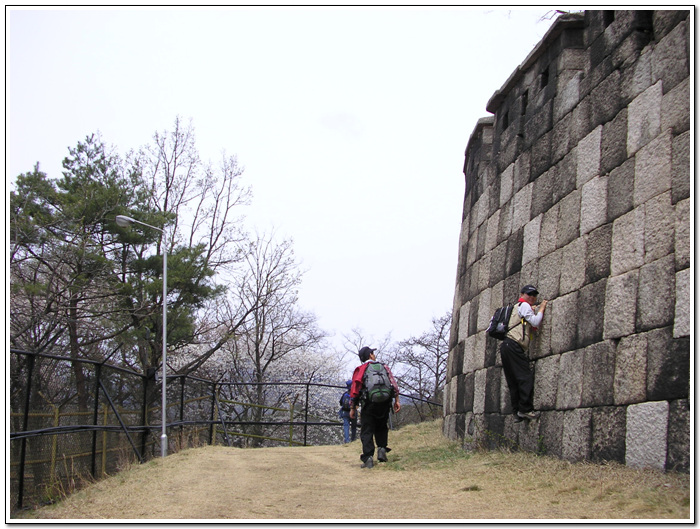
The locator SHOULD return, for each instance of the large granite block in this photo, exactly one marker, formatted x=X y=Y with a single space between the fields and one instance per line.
x=492 y=231
x=666 y=20
x=620 y=190
x=539 y=124
x=479 y=391
x=548 y=231
x=668 y=366
x=652 y=169
x=670 y=61
x=636 y=77
x=552 y=428
x=521 y=207
x=613 y=149
x=522 y=171
x=455 y=361
x=546 y=383
x=529 y=438
x=646 y=439
x=511 y=429
x=550 y=272
x=678 y=458
x=576 y=434
x=682 y=234
x=573 y=266
x=463 y=328
x=498 y=263
x=505 y=223
x=494 y=423
x=514 y=253
x=449 y=396
x=492 y=401
x=485 y=312
x=675 y=108
x=541 y=157
x=606 y=100
x=565 y=312
x=565 y=179
x=570 y=380
x=598 y=375
x=472 y=317
x=628 y=242
x=458 y=397
x=568 y=226
x=656 y=293
x=469 y=354
x=644 y=118
x=590 y=322
x=568 y=97
x=506 y=405
x=468 y=393
x=531 y=239
x=681 y=321
x=621 y=305
x=630 y=384
x=588 y=156
x=594 y=204
x=542 y=193
x=659 y=224
x=561 y=138
x=506 y=189
x=608 y=427
x=680 y=180
x=598 y=253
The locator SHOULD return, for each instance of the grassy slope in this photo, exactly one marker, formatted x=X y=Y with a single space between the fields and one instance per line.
x=427 y=477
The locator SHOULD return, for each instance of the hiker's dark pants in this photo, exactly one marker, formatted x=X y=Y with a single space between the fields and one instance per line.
x=374 y=427
x=519 y=376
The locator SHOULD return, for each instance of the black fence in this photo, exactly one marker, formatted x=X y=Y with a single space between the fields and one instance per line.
x=76 y=421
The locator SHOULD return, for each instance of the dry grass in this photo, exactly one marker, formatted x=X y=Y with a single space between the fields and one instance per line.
x=427 y=478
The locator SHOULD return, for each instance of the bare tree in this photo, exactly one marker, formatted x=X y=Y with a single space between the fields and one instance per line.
x=276 y=327
x=356 y=339
x=421 y=362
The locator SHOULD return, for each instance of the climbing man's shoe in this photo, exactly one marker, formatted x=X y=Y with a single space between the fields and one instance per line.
x=529 y=415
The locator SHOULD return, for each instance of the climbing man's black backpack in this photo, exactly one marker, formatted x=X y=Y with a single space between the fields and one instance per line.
x=498 y=327
x=376 y=383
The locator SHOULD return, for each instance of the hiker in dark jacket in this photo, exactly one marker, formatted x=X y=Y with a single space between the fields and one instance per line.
x=349 y=423
x=374 y=425
x=516 y=365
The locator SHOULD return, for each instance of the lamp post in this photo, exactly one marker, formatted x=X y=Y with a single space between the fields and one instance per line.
x=124 y=221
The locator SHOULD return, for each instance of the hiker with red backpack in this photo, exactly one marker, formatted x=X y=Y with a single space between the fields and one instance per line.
x=373 y=387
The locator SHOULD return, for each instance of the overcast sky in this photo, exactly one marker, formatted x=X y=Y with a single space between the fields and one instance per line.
x=351 y=124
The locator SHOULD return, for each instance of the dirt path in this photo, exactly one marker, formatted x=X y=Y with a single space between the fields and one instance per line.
x=271 y=483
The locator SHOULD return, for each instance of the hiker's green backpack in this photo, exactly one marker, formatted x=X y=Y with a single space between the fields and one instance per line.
x=377 y=386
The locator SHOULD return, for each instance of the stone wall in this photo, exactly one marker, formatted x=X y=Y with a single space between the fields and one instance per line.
x=580 y=183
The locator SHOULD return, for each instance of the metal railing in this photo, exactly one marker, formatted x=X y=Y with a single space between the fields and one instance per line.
x=75 y=421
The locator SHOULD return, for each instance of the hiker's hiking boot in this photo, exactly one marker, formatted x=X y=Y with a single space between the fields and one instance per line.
x=517 y=417
x=528 y=415
x=381 y=455
x=369 y=463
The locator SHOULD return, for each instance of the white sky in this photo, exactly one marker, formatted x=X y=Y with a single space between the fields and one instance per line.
x=351 y=124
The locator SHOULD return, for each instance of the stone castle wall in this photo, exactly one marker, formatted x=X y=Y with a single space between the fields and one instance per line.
x=580 y=184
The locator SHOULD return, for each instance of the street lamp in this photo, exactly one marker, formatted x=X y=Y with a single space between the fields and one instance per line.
x=124 y=221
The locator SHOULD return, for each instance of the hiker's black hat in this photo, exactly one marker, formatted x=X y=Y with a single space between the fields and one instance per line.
x=364 y=353
x=529 y=290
